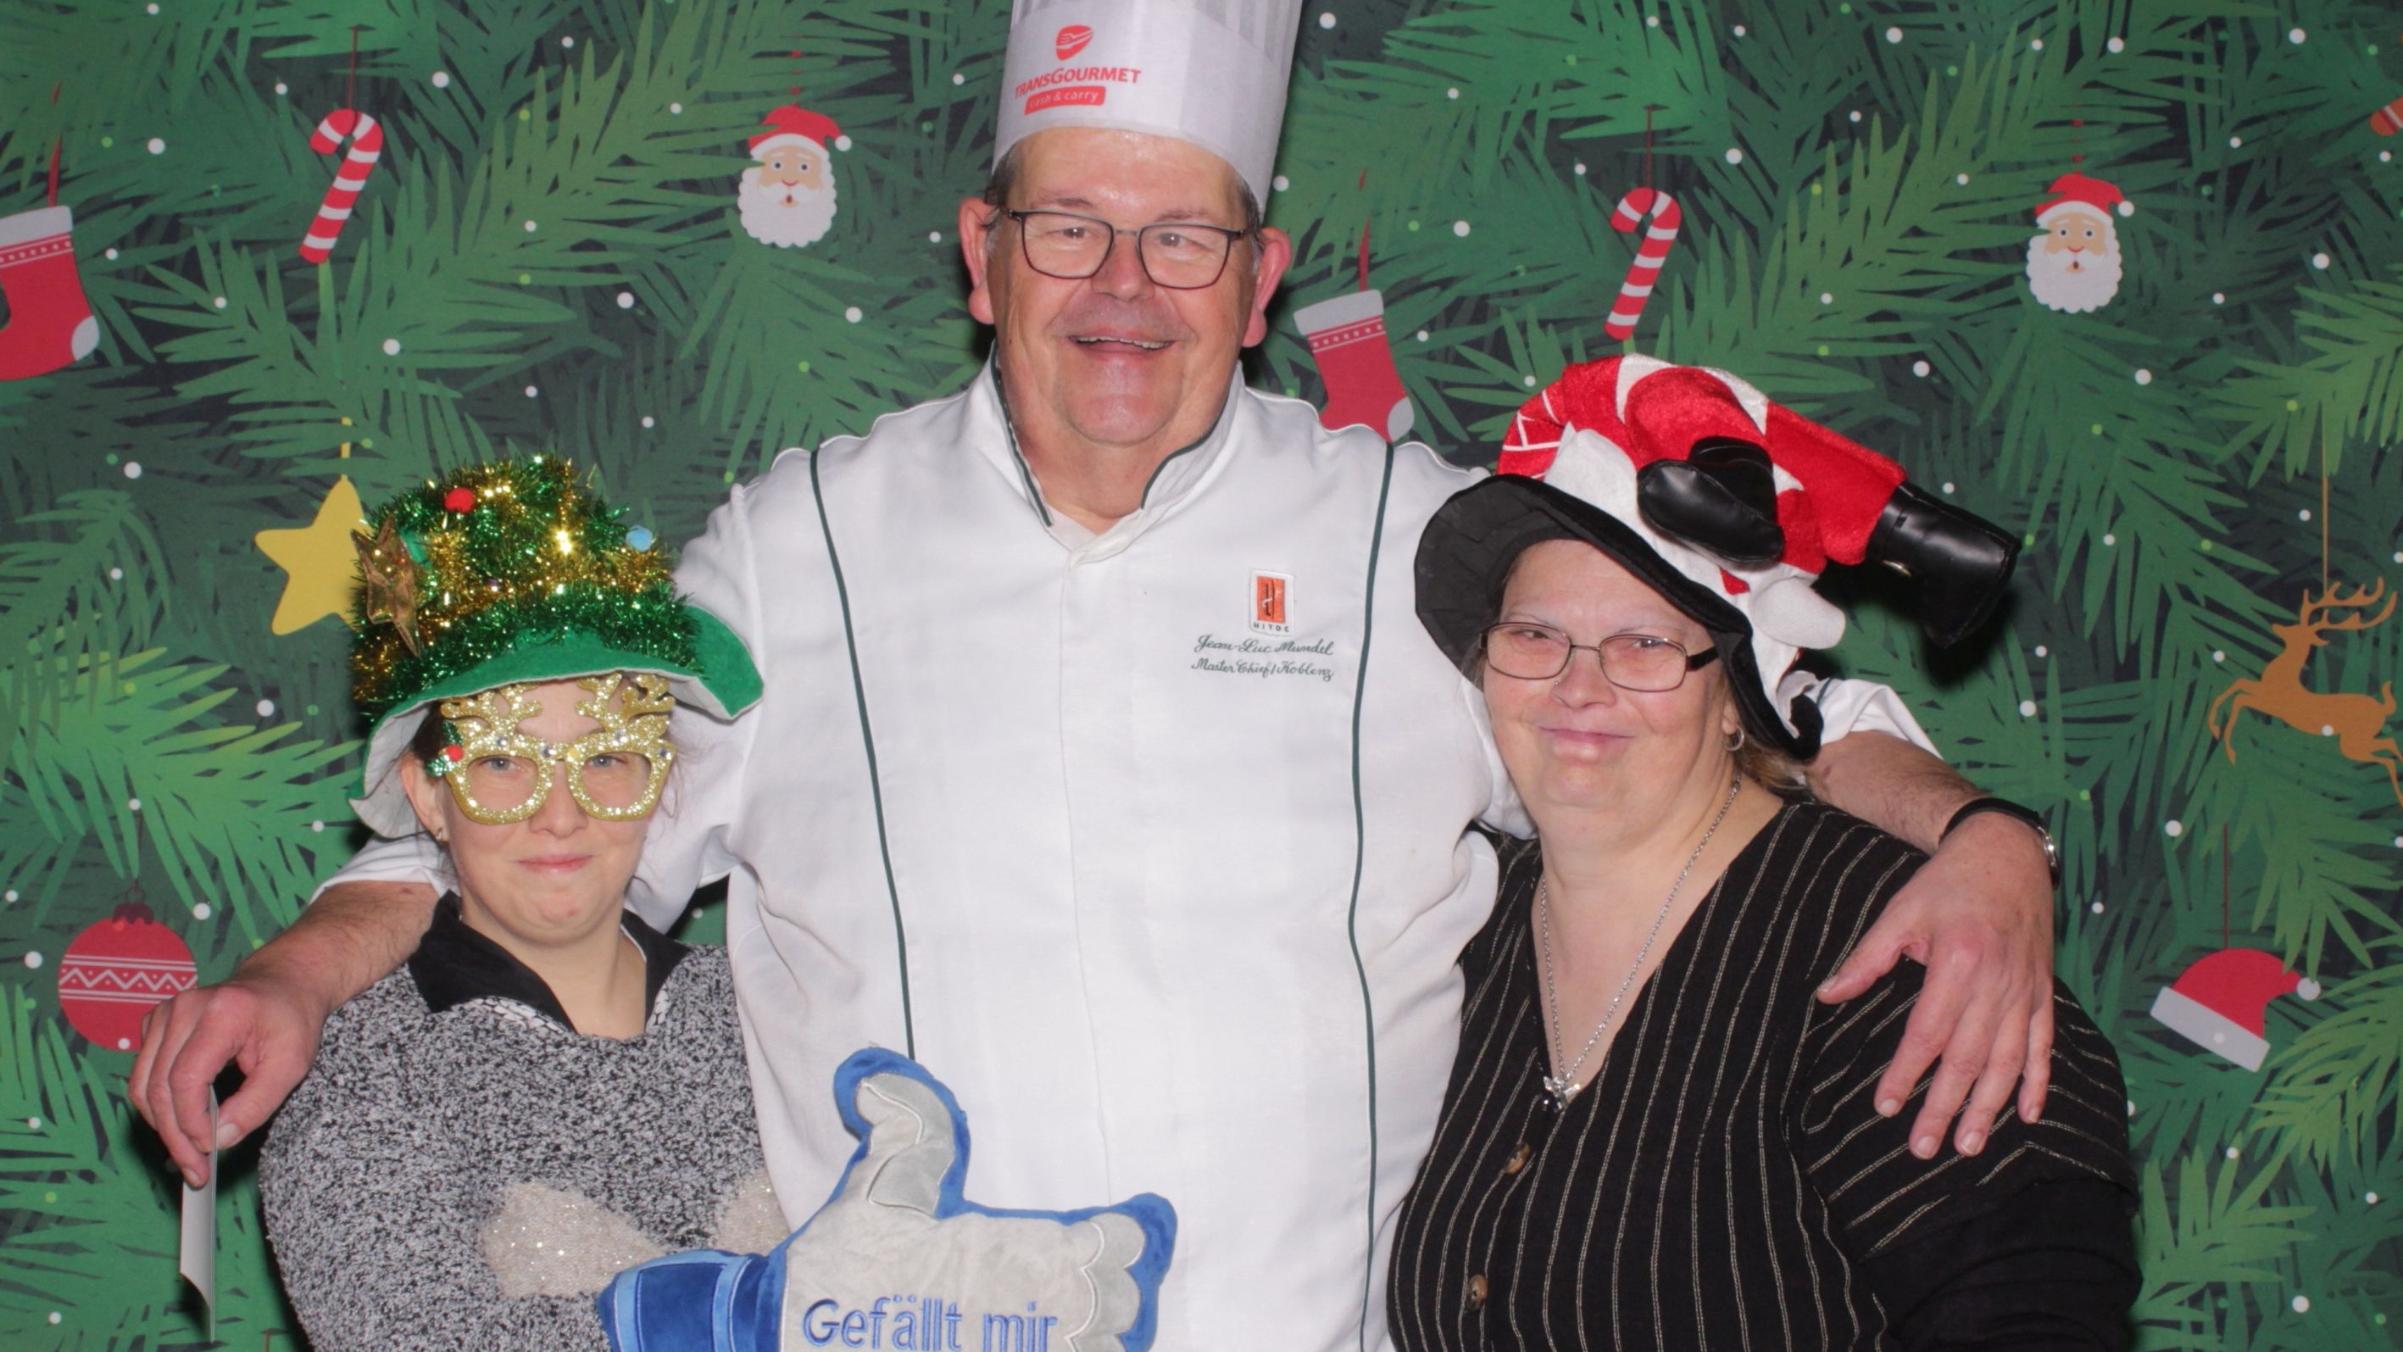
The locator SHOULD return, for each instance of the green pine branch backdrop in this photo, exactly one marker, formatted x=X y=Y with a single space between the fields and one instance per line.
x=547 y=258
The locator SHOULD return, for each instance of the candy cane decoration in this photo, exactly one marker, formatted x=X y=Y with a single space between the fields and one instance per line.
x=2388 y=120
x=1649 y=255
x=366 y=146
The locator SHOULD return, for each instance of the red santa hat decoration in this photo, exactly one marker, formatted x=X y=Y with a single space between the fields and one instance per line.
x=793 y=125
x=2081 y=192
x=2220 y=1002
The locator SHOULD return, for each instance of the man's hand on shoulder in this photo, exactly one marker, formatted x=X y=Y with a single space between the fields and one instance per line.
x=263 y=1025
x=1979 y=916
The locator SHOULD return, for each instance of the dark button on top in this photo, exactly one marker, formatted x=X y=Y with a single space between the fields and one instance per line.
x=1518 y=1160
x=1476 y=1291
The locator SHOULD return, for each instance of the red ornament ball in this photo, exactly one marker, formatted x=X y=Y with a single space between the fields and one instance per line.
x=116 y=970
x=460 y=500
x=454 y=753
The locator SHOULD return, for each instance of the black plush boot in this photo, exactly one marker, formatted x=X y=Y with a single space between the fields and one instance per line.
x=1959 y=564
x=1721 y=499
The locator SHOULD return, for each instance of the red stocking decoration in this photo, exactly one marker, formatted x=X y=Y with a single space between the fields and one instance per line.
x=50 y=324
x=1347 y=339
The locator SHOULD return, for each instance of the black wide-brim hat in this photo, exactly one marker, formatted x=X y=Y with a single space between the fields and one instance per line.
x=1476 y=537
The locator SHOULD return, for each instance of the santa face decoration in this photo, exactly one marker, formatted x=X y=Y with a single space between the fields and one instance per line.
x=2074 y=263
x=788 y=198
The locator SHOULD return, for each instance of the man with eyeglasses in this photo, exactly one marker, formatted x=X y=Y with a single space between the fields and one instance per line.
x=1103 y=765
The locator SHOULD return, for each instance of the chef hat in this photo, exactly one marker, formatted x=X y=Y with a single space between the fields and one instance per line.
x=1212 y=72
x=1572 y=468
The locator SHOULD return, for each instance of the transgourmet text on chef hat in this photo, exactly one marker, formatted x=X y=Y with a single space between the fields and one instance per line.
x=1211 y=72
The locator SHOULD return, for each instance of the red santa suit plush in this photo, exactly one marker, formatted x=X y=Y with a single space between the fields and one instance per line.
x=1772 y=495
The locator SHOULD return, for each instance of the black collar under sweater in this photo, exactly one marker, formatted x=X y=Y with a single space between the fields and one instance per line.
x=454 y=964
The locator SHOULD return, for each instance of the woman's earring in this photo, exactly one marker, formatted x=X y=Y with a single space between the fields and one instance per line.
x=1738 y=743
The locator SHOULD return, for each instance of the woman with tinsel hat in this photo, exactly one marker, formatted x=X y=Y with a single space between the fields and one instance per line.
x=549 y=1090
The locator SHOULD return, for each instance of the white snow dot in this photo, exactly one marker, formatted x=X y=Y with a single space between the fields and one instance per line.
x=649 y=421
x=853 y=314
x=1893 y=35
x=2233 y=1152
x=116 y=575
x=958 y=79
x=158 y=145
x=1827 y=298
x=2131 y=1107
x=676 y=109
x=1422 y=335
x=109 y=254
x=134 y=804
x=2399 y=556
x=1580 y=167
x=568 y=41
x=2035 y=44
x=2303 y=515
x=2109 y=540
x=1651 y=21
x=1528 y=381
x=1739 y=30
x=1326 y=19
x=2043 y=651
x=2235 y=143
x=2320 y=261
x=200 y=910
x=2219 y=298
x=625 y=300
x=531 y=227
x=2143 y=376
x=2027 y=708
x=2370 y=1197
x=1962 y=179
x=934 y=236
x=533 y=391
x=33 y=960
x=1460 y=228
x=282 y=88
x=2327 y=729
x=2296 y=36
x=2097 y=908
x=1856 y=114
x=2302 y=1304
x=317 y=826
x=1452 y=93
x=392 y=347
x=2219 y=654
x=1280 y=183
x=125 y=1044
x=1948 y=486
x=1734 y=155
x=266 y=708
x=219 y=302
x=2386 y=157
x=2117 y=45
x=1920 y=369
x=133 y=469
x=37 y=1122
x=146 y=9
x=842 y=143
x=2173 y=829
x=10 y=896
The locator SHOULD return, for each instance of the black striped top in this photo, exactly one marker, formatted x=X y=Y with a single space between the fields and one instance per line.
x=1724 y=1180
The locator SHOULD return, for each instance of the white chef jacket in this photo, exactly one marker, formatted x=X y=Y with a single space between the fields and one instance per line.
x=1151 y=844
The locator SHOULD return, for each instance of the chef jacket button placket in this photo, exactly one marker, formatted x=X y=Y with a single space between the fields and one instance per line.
x=1477 y=1288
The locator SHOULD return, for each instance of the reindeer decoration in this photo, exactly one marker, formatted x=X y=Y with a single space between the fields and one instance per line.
x=2358 y=722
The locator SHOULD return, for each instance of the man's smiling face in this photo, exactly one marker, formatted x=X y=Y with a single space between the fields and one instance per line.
x=1114 y=360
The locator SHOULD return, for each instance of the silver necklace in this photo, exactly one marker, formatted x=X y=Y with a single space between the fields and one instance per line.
x=1564 y=1086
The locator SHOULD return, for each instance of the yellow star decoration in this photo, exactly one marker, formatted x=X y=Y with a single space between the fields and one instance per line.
x=318 y=560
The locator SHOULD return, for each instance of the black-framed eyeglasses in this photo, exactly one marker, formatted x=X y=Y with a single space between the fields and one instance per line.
x=1644 y=662
x=1179 y=255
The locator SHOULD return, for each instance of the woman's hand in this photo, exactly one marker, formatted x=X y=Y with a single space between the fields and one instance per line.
x=1979 y=917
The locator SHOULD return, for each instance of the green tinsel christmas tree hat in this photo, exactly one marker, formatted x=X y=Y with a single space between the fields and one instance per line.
x=512 y=572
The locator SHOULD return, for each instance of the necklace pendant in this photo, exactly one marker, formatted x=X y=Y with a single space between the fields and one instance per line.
x=1560 y=1090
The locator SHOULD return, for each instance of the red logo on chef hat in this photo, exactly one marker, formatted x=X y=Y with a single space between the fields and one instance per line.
x=1071 y=40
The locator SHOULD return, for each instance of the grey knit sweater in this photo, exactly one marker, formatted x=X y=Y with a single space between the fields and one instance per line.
x=463 y=1170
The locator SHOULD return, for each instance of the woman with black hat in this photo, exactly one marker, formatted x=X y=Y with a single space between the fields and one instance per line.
x=1654 y=1135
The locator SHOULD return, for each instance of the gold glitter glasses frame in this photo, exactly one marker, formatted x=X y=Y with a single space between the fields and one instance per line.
x=633 y=715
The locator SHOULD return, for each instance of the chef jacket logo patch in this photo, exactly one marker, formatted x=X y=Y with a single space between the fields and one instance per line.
x=1270 y=592
x=1071 y=40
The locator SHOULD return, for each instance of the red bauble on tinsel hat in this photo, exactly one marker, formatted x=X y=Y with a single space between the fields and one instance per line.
x=2219 y=1003
x=116 y=970
x=2084 y=192
x=791 y=124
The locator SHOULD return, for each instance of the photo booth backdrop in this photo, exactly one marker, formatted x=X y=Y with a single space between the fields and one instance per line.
x=547 y=253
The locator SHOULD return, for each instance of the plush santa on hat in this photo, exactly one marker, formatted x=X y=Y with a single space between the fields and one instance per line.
x=1728 y=505
x=788 y=198
x=2074 y=264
